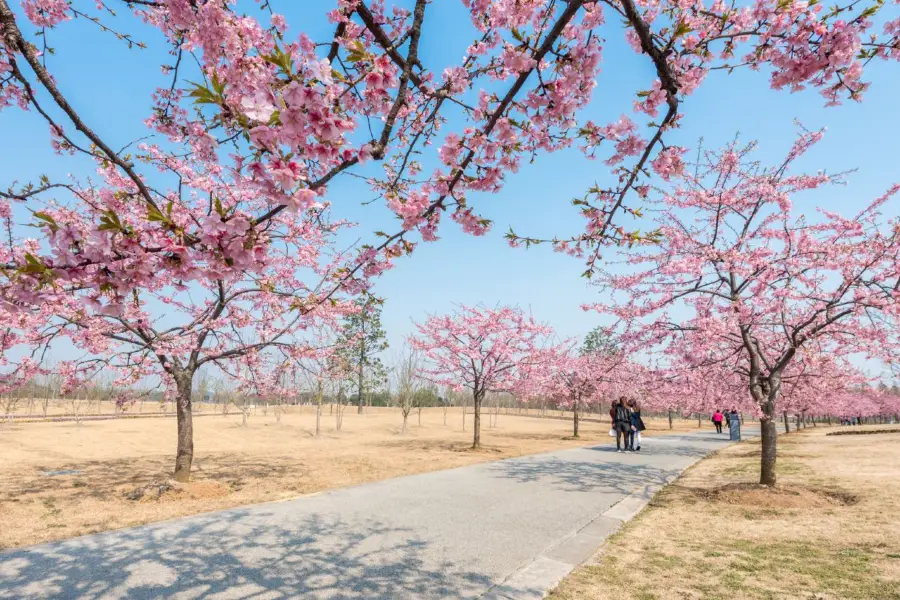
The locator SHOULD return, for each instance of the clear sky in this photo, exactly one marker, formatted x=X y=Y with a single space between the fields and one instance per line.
x=110 y=86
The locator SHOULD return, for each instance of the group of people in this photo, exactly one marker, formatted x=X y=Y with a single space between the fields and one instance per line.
x=627 y=423
x=718 y=417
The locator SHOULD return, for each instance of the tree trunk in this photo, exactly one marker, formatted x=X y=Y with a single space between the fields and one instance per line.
x=420 y=416
x=478 y=398
x=787 y=427
x=405 y=417
x=575 y=419
x=359 y=379
x=464 y=416
x=769 y=444
x=318 y=412
x=670 y=419
x=184 y=454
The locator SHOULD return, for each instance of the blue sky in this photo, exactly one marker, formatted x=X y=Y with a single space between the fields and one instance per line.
x=110 y=86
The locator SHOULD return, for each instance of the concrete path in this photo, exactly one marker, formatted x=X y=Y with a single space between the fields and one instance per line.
x=508 y=529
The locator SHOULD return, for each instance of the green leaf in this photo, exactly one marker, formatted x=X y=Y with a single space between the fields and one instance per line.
x=682 y=29
x=50 y=221
x=154 y=215
x=110 y=222
x=357 y=52
x=33 y=265
x=203 y=95
x=869 y=12
x=218 y=86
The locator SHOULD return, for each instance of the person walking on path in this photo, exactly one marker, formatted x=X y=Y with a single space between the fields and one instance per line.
x=637 y=425
x=717 y=419
x=621 y=422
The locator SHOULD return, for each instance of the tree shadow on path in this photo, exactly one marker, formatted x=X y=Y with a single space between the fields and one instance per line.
x=581 y=476
x=238 y=554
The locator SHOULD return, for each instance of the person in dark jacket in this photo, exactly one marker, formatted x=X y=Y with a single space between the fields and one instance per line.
x=637 y=424
x=621 y=418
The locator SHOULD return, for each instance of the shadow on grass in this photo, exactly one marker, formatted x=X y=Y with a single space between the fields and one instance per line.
x=238 y=554
x=106 y=478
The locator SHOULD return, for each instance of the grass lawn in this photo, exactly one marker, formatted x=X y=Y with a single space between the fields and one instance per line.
x=59 y=480
x=829 y=530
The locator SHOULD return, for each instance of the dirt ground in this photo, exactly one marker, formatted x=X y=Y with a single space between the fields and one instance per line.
x=828 y=531
x=60 y=480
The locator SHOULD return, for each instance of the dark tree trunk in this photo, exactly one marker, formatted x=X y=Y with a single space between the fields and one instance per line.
x=787 y=427
x=478 y=397
x=670 y=419
x=575 y=420
x=769 y=444
x=184 y=455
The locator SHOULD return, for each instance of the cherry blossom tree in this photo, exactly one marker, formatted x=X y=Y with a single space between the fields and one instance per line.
x=254 y=124
x=765 y=290
x=288 y=115
x=480 y=349
x=170 y=329
x=576 y=379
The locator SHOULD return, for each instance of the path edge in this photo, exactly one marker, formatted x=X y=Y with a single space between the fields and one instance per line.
x=537 y=578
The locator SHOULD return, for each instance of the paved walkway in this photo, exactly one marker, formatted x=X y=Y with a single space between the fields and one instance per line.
x=508 y=529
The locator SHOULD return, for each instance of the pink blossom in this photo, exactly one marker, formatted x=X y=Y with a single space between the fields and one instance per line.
x=46 y=13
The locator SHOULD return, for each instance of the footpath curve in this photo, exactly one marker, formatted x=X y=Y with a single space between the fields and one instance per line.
x=509 y=529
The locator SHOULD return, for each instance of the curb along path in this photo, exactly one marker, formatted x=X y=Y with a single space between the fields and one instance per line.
x=504 y=530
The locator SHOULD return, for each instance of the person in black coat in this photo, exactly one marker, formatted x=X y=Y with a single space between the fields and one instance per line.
x=621 y=419
x=637 y=425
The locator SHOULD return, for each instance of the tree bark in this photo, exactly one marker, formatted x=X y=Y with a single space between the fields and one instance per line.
x=318 y=410
x=787 y=427
x=359 y=381
x=405 y=417
x=478 y=396
x=575 y=419
x=769 y=445
x=184 y=454
x=670 y=419
x=464 y=416
x=362 y=359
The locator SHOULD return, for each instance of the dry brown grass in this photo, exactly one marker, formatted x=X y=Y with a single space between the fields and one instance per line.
x=235 y=465
x=828 y=531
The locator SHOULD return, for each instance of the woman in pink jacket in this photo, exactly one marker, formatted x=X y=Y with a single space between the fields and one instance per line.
x=717 y=419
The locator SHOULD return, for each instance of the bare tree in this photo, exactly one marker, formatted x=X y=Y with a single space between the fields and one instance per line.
x=407 y=366
x=445 y=403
